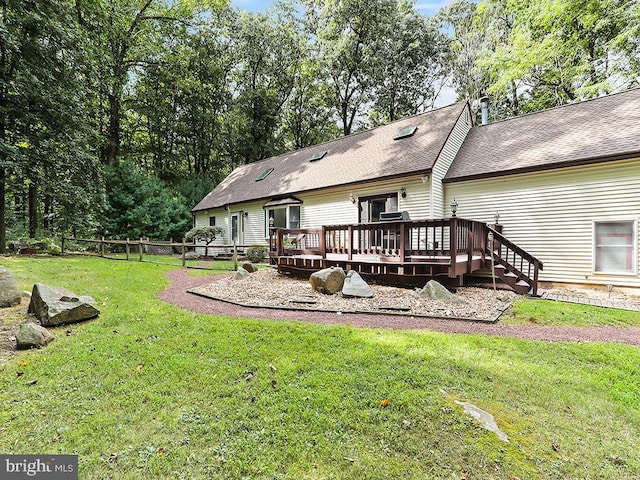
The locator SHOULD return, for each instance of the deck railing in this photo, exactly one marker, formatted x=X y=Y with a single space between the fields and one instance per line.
x=459 y=245
x=401 y=240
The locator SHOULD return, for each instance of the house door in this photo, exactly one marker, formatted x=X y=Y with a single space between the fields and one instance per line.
x=237 y=228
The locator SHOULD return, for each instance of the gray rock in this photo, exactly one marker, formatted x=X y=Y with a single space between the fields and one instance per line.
x=191 y=255
x=485 y=419
x=249 y=267
x=10 y=294
x=355 y=286
x=31 y=335
x=435 y=291
x=328 y=280
x=56 y=306
x=240 y=274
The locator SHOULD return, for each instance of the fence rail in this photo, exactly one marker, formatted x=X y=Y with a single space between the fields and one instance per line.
x=152 y=248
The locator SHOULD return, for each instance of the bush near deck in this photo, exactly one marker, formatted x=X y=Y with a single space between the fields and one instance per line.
x=151 y=391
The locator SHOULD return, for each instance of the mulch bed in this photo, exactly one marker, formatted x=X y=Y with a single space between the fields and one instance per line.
x=177 y=294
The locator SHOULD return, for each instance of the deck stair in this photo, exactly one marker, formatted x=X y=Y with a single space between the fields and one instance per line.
x=511 y=264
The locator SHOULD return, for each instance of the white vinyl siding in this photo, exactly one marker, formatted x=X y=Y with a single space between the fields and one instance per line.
x=334 y=207
x=551 y=214
x=448 y=154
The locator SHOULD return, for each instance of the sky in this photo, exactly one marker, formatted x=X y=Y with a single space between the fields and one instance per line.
x=426 y=8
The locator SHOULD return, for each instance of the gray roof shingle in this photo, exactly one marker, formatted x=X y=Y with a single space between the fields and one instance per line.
x=596 y=130
x=357 y=158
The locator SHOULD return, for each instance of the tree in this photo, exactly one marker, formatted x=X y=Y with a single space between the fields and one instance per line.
x=349 y=36
x=141 y=206
x=125 y=34
x=269 y=49
x=409 y=79
x=205 y=234
x=45 y=134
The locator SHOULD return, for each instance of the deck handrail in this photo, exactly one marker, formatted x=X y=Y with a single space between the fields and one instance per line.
x=509 y=255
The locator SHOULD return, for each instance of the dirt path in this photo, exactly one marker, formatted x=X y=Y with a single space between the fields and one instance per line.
x=181 y=282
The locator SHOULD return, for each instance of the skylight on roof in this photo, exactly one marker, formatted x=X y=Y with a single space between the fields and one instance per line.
x=405 y=132
x=317 y=156
x=264 y=174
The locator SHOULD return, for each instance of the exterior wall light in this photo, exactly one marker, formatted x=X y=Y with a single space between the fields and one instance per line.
x=497 y=218
x=403 y=192
x=352 y=198
x=454 y=207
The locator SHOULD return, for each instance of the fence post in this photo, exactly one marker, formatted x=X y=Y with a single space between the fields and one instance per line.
x=235 y=255
x=140 y=249
x=128 y=249
x=184 y=251
x=102 y=246
x=62 y=246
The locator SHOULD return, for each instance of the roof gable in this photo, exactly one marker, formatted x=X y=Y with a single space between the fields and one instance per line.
x=594 y=130
x=359 y=157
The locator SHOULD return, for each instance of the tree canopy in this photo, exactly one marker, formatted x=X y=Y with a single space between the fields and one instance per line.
x=118 y=116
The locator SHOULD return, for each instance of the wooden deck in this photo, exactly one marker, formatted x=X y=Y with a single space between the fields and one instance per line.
x=407 y=253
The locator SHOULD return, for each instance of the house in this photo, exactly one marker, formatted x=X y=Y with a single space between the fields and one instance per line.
x=561 y=184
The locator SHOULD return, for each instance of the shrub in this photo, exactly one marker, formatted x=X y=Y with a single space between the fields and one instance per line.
x=256 y=254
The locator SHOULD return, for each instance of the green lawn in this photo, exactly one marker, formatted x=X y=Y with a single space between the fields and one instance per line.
x=527 y=311
x=150 y=391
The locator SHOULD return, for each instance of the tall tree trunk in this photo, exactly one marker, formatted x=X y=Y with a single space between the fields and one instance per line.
x=3 y=224
x=33 y=210
x=113 y=146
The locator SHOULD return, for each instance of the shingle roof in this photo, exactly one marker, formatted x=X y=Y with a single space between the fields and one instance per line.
x=601 y=129
x=357 y=158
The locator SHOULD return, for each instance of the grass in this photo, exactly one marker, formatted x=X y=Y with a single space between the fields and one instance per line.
x=150 y=391
x=526 y=311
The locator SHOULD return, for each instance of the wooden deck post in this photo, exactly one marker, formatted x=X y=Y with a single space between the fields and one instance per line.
x=470 y=246
x=323 y=243
x=350 y=245
x=453 y=246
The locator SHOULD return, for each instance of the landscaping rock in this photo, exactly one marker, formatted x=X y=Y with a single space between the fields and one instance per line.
x=56 y=306
x=355 y=286
x=240 y=274
x=249 y=267
x=10 y=294
x=485 y=419
x=328 y=280
x=436 y=291
x=191 y=255
x=31 y=335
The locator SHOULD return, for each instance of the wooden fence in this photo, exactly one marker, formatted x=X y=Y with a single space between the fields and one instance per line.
x=138 y=249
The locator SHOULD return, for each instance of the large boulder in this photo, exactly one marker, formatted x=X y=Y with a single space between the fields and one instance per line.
x=10 y=293
x=31 y=335
x=355 y=286
x=328 y=280
x=56 y=306
x=249 y=267
x=240 y=274
x=436 y=291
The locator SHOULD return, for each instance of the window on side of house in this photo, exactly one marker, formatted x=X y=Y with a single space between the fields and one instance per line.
x=212 y=221
x=371 y=207
x=284 y=217
x=615 y=250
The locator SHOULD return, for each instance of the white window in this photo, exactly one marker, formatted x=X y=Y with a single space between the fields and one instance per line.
x=284 y=217
x=615 y=250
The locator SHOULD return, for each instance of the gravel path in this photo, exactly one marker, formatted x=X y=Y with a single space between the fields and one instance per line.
x=177 y=294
